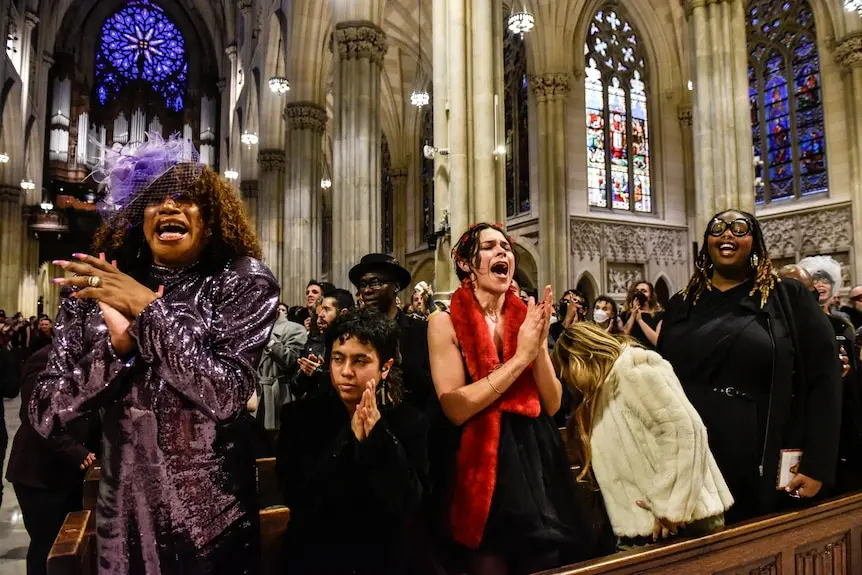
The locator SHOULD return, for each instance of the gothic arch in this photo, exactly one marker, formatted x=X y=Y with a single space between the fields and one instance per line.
x=527 y=271
x=423 y=271
x=587 y=285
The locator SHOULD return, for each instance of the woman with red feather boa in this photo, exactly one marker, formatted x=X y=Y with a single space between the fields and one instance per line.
x=510 y=504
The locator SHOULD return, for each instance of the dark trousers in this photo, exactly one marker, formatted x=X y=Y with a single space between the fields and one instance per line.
x=44 y=511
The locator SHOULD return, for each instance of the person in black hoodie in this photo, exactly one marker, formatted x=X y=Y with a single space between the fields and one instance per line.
x=352 y=465
x=48 y=474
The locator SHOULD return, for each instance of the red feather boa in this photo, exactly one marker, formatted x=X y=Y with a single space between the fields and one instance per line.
x=476 y=475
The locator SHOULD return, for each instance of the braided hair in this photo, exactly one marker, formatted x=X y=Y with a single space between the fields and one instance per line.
x=764 y=274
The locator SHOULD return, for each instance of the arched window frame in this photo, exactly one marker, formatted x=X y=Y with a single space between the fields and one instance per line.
x=776 y=31
x=139 y=42
x=516 y=110
x=615 y=60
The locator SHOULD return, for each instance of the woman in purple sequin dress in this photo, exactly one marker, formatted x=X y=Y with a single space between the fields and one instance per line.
x=164 y=343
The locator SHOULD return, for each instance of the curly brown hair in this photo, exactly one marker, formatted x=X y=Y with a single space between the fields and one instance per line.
x=231 y=235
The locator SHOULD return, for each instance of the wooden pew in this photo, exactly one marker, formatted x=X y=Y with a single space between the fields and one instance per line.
x=268 y=492
x=74 y=550
x=825 y=539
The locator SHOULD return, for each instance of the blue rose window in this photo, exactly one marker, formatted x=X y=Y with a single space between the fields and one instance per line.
x=139 y=42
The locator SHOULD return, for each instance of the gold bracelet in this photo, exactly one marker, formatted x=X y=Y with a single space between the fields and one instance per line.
x=488 y=378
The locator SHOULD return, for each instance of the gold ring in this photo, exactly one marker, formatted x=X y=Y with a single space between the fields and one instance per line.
x=94 y=281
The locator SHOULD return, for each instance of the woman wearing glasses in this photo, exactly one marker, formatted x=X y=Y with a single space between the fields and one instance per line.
x=756 y=357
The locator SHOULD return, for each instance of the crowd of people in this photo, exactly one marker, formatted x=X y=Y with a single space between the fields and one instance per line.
x=419 y=438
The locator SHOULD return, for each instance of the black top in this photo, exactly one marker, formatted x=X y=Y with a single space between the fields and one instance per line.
x=756 y=389
x=52 y=463
x=349 y=500
x=415 y=363
x=651 y=319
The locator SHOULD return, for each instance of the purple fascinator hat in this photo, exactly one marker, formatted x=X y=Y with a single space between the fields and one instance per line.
x=133 y=176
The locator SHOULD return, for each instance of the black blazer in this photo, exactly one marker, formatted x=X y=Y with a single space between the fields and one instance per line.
x=806 y=393
x=415 y=363
x=350 y=501
x=52 y=463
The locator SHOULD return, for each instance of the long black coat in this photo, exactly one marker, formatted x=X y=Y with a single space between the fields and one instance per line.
x=415 y=363
x=350 y=501
x=806 y=394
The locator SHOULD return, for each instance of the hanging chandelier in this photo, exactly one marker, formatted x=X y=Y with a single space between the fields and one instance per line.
x=521 y=22
x=853 y=6
x=325 y=183
x=279 y=85
x=28 y=184
x=231 y=174
x=419 y=97
x=248 y=139
x=4 y=158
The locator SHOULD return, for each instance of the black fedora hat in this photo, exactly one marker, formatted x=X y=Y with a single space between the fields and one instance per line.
x=380 y=262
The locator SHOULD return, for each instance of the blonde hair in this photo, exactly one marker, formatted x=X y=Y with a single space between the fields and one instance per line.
x=583 y=357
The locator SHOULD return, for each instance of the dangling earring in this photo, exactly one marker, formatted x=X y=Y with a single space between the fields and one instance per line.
x=755 y=261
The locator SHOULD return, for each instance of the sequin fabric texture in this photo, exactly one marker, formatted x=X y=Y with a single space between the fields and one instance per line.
x=178 y=475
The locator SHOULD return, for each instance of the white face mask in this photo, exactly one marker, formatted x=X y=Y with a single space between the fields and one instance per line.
x=600 y=315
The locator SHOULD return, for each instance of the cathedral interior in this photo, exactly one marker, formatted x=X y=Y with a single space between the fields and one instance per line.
x=603 y=133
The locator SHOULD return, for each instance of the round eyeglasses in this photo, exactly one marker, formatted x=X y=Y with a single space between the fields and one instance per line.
x=739 y=227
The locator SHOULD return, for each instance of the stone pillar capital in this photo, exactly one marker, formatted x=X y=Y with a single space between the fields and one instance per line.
x=10 y=194
x=271 y=160
x=30 y=20
x=248 y=189
x=550 y=86
x=684 y=115
x=245 y=7
x=360 y=39
x=231 y=52
x=848 y=51
x=221 y=84
x=306 y=116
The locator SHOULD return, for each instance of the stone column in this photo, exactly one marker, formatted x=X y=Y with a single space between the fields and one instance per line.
x=724 y=173
x=303 y=200
x=551 y=91
x=30 y=21
x=444 y=278
x=10 y=246
x=848 y=53
x=270 y=206
x=359 y=49
x=399 y=213
x=224 y=124
x=28 y=247
x=248 y=193
x=481 y=98
x=234 y=66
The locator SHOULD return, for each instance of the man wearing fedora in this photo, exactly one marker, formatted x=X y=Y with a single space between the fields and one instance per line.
x=379 y=278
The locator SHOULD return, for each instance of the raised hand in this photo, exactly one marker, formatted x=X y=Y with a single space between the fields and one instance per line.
x=530 y=333
x=356 y=421
x=371 y=414
x=310 y=364
x=112 y=287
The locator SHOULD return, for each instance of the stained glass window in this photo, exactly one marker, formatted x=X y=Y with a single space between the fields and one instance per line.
x=139 y=42
x=618 y=160
x=517 y=126
x=387 y=195
x=785 y=99
x=428 y=223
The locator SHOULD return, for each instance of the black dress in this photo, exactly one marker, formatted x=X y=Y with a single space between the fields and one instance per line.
x=350 y=501
x=539 y=517
x=722 y=355
x=763 y=377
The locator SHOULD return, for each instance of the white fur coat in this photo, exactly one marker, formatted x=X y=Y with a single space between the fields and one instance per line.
x=648 y=443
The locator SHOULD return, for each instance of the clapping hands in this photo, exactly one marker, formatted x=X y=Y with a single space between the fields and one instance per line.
x=534 y=331
x=366 y=415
